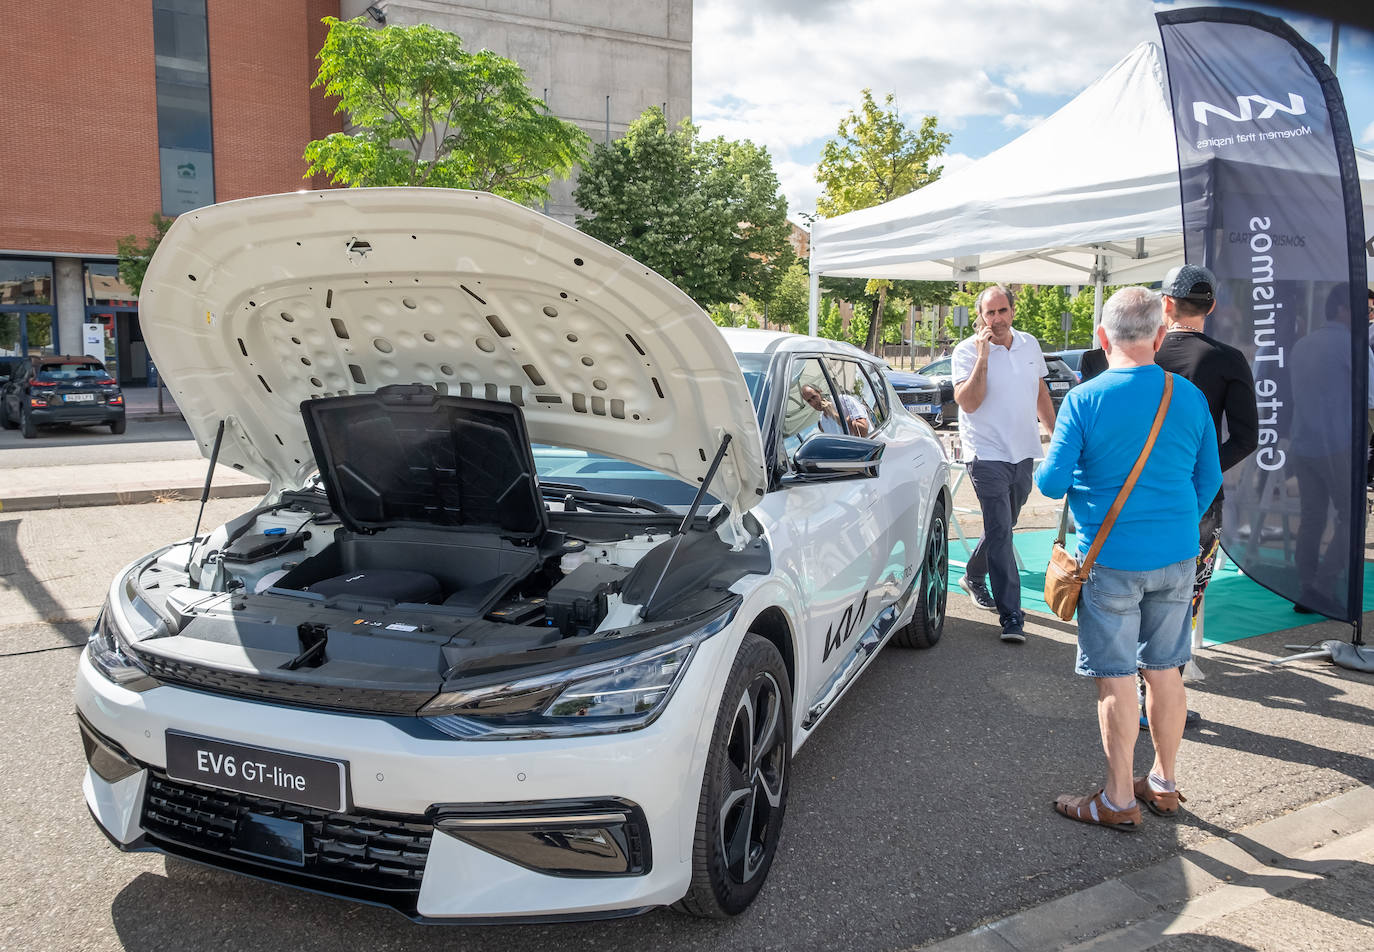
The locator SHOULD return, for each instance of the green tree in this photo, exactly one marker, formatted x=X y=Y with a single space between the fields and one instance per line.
x=709 y=216
x=789 y=305
x=135 y=252
x=874 y=158
x=425 y=111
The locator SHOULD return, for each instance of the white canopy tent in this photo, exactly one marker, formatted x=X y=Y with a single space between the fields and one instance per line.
x=1089 y=196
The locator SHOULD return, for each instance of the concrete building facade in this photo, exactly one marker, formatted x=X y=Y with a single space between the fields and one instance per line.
x=596 y=63
x=131 y=109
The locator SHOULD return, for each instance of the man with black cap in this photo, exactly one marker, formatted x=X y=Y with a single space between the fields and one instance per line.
x=1221 y=372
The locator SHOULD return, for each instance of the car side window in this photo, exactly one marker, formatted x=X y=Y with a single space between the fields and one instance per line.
x=877 y=384
x=809 y=407
x=858 y=404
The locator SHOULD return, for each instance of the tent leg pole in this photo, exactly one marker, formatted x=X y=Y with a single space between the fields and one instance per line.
x=813 y=305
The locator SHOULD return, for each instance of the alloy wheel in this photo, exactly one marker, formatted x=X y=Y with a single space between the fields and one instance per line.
x=756 y=755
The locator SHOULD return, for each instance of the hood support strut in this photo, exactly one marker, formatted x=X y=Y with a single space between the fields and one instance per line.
x=205 y=494
x=687 y=520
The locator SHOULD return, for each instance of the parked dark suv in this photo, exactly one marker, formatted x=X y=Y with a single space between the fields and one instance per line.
x=72 y=389
x=1061 y=378
x=921 y=395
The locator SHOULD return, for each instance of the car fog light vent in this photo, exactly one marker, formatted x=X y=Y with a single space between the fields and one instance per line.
x=106 y=758
x=563 y=838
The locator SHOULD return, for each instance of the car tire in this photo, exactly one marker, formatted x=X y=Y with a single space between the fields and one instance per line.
x=932 y=588
x=744 y=792
x=5 y=418
x=118 y=426
x=27 y=425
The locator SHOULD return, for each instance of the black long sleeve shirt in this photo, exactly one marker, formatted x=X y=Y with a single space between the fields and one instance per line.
x=1222 y=374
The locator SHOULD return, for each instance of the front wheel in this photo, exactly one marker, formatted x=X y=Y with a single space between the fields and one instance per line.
x=5 y=417
x=932 y=588
x=744 y=792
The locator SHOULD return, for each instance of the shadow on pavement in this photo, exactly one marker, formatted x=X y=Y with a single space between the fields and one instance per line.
x=15 y=574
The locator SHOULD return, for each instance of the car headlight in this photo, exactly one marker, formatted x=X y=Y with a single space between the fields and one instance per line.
x=109 y=653
x=621 y=694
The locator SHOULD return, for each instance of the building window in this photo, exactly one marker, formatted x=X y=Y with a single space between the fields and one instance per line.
x=27 y=316
x=185 y=142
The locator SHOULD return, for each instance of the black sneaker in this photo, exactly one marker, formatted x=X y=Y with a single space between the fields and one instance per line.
x=978 y=591
x=1191 y=719
x=1014 y=636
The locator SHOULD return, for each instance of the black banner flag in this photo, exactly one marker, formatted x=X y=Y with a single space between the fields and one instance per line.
x=1271 y=203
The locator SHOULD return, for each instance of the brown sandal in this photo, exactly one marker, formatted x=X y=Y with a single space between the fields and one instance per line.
x=1093 y=809
x=1161 y=803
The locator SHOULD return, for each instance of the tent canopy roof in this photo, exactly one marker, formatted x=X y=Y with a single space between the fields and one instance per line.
x=1097 y=178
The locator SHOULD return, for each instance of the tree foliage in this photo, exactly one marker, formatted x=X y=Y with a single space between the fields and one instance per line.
x=874 y=158
x=428 y=112
x=135 y=252
x=1039 y=310
x=709 y=216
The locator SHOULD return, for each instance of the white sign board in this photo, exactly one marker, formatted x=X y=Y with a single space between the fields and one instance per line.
x=188 y=180
x=93 y=341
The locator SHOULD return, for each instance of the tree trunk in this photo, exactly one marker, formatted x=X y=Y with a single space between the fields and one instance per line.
x=875 y=322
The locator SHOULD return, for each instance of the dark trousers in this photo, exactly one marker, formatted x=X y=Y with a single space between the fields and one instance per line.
x=1002 y=489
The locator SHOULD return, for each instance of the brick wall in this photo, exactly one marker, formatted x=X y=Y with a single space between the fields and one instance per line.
x=261 y=66
x=80 y=164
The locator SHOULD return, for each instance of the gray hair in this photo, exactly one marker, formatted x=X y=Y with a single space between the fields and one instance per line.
x=1132 y=315
x=994 y=289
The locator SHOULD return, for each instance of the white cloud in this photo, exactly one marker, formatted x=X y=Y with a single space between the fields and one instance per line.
x=1367 y=138
x=1013 y=121
x=785 y=78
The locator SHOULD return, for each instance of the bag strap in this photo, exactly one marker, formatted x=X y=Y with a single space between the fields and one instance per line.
x=1120 y=501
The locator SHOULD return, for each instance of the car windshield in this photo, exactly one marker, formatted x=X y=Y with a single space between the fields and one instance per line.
x=60 y=372
x=1071 y=358
x=577 y=469
x=600 y=473
x=939 y=368
x=754 y=366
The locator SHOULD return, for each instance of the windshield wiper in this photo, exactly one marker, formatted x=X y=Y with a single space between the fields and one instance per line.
x=614 y=501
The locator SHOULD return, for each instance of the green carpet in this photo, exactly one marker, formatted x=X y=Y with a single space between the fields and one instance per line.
x=1235 y=606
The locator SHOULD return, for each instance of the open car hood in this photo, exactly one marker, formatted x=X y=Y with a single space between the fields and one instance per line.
x=252 y=307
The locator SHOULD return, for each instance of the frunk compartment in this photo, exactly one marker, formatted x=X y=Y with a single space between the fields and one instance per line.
x=471 y=571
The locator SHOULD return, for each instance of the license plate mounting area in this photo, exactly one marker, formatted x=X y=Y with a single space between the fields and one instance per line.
x=258 y=771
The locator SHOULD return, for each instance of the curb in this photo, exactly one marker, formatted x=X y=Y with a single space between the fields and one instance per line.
x=1186 y=891
x=128 y=497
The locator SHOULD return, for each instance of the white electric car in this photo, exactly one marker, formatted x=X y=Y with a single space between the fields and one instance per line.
x=552 y=579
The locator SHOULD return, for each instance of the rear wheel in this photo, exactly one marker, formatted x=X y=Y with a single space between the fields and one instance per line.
x=117 y=427
x=932 y=588
x=744 y=792
x=27 y=425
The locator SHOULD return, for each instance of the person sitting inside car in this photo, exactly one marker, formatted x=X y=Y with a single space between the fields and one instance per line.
x=855 y=415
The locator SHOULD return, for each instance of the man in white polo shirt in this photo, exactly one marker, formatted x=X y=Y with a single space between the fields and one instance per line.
x=999 y=384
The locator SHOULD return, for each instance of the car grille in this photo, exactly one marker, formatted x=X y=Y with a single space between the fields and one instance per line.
x=363 y=851
x=328 y=697
x=908 y=397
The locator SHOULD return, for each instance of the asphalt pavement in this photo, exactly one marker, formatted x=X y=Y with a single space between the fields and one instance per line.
x=919 y=815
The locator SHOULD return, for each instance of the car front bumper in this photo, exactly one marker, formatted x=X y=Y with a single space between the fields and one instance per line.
x=400 y=773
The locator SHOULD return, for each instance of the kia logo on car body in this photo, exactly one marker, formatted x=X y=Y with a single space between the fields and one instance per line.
x=1245 y=108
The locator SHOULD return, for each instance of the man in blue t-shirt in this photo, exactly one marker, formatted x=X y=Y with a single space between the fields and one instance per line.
x=1134 y=609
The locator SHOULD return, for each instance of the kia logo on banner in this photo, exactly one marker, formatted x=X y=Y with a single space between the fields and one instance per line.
x=1245 y=108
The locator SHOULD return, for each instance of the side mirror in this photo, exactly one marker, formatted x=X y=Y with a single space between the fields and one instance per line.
x=831 y=455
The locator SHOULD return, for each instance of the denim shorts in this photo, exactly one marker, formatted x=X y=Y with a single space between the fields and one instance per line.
x=1130 y=620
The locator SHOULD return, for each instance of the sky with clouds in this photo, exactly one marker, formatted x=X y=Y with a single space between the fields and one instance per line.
x=782 y=73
